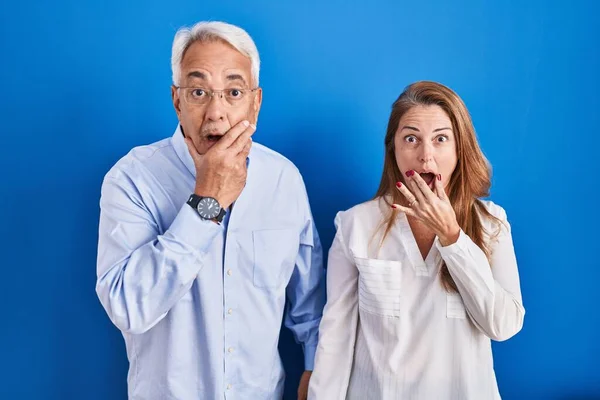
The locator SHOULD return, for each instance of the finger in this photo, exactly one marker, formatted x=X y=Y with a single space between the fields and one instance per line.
x=247 y=148
x=242 y=155
x=191 y=148
x=232 y=134
x=424 y=188
x=440 y=190
x=242 y=140
x=414 y=188
x=405 y=210
x=410 y=198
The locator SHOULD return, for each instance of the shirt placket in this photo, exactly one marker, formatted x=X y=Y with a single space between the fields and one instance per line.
x=231 y=279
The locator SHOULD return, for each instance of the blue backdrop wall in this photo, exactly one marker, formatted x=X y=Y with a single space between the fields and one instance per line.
x=82 y=82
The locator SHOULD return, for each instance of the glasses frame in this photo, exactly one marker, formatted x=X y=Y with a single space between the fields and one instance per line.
x=211 y=94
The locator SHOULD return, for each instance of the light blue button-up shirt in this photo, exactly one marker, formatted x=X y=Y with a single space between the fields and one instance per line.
x=199 y=304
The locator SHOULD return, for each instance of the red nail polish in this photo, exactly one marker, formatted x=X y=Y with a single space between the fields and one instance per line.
x=393 y=206
x=410 y=173
x=398 y=184
x=439 y=177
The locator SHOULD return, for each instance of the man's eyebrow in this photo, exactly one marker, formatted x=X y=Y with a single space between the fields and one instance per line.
x=236 y=77
x=196 y=74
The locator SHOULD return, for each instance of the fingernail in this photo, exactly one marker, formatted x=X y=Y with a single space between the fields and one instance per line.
x=393 y=206
x=398 y=184
x=439 y=177
x=410 y=173
x=253 y=126
x=245 y=123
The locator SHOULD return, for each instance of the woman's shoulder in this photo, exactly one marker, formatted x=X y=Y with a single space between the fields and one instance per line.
x=363 y=217
x=495 y=209
x=357 y=225
x=367 y=210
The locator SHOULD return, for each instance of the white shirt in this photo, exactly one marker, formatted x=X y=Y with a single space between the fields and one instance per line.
x=391 y=331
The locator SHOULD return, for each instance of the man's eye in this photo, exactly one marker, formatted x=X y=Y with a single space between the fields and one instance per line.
x=198 y=92
x=234 y=93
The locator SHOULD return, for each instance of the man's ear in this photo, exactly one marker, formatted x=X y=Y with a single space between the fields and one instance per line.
x=176 y=101
x=256 y=103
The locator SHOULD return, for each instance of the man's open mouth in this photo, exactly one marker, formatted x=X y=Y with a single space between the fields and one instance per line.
x=213 y=137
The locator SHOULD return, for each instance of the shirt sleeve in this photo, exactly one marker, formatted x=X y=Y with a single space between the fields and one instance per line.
x=306 y=288
x=141 y=273
x=337 y=333
x=490 y=290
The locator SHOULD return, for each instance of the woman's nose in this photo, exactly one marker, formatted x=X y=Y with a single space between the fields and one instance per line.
x=426 y=153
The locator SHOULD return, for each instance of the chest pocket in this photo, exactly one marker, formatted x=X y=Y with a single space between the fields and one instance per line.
x=455 y=308
x=379 y=286
x=275 y=252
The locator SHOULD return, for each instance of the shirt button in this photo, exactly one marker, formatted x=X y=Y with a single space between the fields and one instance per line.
x=230 y=349
x=230 y=311
x=228 y=386
x=229 y=272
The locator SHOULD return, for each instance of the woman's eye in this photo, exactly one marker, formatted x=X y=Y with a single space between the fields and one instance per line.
x=410 y=139
x=442 y=138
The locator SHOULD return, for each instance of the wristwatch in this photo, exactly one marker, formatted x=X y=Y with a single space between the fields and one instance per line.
x=208 y=208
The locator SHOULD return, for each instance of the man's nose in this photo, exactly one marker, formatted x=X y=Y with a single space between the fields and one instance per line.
x=215 y=108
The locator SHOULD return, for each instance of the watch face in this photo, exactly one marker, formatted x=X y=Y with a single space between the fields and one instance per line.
x=208 y=208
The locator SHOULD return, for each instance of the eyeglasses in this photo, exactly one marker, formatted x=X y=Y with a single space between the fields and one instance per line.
x=200 y=96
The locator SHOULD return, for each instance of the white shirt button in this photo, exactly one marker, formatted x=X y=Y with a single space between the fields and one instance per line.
x=230 y=349
x=228 y=386
x=230 y=311
x=229 y=272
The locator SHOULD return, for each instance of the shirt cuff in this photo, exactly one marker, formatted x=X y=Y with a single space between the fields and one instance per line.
x=461 y=244
x=193 y=230
x=309 y=356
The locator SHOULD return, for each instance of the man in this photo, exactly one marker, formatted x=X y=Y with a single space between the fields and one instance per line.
x=202 y=236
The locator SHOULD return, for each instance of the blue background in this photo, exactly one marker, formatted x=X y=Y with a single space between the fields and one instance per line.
x=84 y=82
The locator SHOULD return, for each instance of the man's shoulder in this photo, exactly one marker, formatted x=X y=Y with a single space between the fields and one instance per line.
x=270 y=158
x=141 y=157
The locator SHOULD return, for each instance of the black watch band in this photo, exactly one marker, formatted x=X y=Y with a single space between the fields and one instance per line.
x=219 y=218
x=194 y=202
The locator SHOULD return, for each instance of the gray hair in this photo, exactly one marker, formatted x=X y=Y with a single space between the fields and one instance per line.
x=209 y=31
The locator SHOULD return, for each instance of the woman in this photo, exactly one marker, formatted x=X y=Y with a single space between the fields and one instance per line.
x=423 y=276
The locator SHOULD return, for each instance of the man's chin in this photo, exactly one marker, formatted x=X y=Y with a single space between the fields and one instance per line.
x=207 y=145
